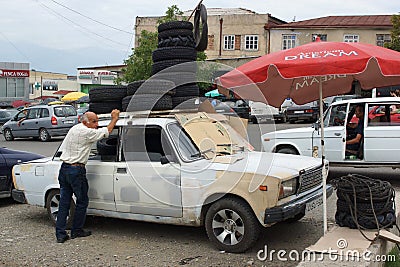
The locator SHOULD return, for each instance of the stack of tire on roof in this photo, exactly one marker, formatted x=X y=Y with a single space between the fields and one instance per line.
x=173 y=82
x=106 y=98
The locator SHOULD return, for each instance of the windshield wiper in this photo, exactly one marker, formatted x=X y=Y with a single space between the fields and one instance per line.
x=201 y=153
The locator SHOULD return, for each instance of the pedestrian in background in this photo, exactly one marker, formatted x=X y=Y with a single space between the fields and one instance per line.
x=72 y=175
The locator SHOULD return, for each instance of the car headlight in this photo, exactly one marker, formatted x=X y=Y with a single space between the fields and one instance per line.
x=288 y=188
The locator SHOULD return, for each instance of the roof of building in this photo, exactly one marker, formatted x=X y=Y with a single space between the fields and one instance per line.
x=223 y=11
x=367 y=21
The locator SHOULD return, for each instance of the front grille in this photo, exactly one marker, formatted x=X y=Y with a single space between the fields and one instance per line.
x=310 y=179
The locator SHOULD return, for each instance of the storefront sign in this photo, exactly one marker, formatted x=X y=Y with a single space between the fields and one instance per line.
x=50 y=85
x=14 y=73
x=96 y=76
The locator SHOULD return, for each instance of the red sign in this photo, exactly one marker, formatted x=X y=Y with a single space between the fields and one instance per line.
x=14 y=73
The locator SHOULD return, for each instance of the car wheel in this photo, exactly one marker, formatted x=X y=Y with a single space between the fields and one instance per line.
x=254 y=120
x=231 y=225
x=8 y=135
x=53 y=204
x=287 y=150
x=292 y=121
x=44 y=135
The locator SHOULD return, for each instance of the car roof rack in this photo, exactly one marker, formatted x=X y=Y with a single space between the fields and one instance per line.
x=147 y=113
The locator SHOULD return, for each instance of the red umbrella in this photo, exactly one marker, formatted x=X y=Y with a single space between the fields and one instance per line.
x=18 y=103
x=298 y=72
x=315 y=70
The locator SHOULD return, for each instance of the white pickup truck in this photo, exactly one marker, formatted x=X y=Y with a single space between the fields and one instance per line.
x=184 y=169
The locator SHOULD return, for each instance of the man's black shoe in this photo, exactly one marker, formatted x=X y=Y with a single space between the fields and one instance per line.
x=81 y=233
x=62 y=239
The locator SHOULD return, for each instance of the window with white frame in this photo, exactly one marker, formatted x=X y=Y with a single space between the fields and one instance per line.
x=288 y=41
x=229 y=42
x=381 y=39
x=251 y=42
x=351 y=38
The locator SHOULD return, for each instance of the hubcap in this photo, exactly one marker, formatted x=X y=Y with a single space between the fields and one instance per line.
x=43 y=134
x=228 y=227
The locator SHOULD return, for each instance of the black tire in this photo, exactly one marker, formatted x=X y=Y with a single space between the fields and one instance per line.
x=178 y=78
x=187 y=41
x=44 y=135
x=146 y=102
x=174 y=65
x=133 y=87
x=8 y=136
x=185 y=102
x=292 y=121
x=287 y=150
x=236 y=215
x=254 y=120
x=187 y=90
x=52 y=205
x=107 y=93
x=174 y=33
x=201 y=39
x=177 y=24
x=156 y=87
x=177 y=52
x=104 y=107
x=107 y=146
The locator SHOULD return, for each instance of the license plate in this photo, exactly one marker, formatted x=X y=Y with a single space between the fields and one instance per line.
x=298 y=111
x=68 y=122
x=314 y=204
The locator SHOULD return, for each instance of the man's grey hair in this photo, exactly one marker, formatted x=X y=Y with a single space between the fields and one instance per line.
x=85 y=118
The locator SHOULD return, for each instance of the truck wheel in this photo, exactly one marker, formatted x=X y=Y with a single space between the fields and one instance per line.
x=231 y=225
x=287 y=150
x=8 y=135
x=52 y=206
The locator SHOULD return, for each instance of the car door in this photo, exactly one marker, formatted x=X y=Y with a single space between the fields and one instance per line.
x=4 y=173
x=30 y=125
x=18 y=130
x=145 y=185
x=335 y=132
x=382 y=134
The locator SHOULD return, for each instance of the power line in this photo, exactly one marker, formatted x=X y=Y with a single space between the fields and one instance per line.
x=92 y=32
x=77 y=12
x=16 y=48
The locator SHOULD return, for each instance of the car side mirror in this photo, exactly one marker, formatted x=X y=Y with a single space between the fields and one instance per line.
x=166 y=159
x=315 y=125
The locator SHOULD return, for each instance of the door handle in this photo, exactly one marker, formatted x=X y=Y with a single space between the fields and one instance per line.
x=121 y=170
x=338 y=134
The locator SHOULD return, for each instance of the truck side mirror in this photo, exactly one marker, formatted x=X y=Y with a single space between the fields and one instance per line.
x=315 y=125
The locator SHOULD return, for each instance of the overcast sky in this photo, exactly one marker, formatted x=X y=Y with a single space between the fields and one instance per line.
x=52 y=36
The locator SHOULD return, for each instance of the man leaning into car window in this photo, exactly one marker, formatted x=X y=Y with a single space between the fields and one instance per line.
x=353 y=144
x=72 y=175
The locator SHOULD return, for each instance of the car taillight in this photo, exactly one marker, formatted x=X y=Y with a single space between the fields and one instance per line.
x=79 y=118
x=309 y=111
x=53 y=120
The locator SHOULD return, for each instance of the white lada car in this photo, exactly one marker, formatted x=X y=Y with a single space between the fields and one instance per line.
x=184 y=169
x=380 y=145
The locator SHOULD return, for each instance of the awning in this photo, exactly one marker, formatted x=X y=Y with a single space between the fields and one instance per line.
x=62 y=92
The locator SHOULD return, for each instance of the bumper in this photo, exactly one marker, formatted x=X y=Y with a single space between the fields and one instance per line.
x=291 y=209
x=18 y=195
x=303 y=116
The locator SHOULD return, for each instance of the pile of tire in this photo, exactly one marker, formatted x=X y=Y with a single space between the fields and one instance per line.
x=364 y=203
x=106 y=98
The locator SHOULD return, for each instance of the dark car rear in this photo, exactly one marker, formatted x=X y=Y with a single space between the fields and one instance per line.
x=8 y=158
x=308 y=112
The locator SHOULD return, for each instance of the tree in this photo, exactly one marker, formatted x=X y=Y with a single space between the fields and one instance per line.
x=395 y=34
x=139 y=62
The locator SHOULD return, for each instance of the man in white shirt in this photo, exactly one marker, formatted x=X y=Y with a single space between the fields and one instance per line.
x=72 y=175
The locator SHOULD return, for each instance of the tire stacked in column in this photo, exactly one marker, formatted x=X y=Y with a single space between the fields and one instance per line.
x=106 y=98
x=176 y=45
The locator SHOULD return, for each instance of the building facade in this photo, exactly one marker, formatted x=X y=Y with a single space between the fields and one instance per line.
x=14 y=81
x=371 y=29
x=89 y=77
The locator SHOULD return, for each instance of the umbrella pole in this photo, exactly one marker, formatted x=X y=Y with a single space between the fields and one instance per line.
x=324 y=174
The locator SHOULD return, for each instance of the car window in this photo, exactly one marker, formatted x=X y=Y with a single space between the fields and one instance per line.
x=33 y=113
x=383 y=114
x=184 y=144
x=337 y=115
x=69 y=111
x=45 y=113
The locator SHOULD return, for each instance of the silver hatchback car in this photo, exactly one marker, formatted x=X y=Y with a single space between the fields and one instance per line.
x=41 y=121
